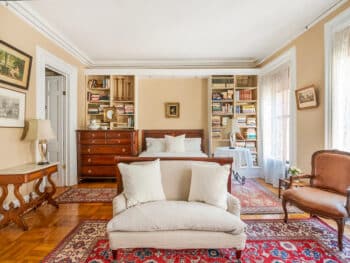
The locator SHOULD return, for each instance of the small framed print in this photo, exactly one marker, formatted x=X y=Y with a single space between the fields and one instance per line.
x=109 y=114
x=12 y=108
x=306 y=98
x=172 y=110
x=15 y=66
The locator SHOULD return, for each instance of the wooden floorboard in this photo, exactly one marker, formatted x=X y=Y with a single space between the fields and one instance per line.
x=48 y=226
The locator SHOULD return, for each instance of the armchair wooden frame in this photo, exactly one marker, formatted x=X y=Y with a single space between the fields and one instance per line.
x=339 y=220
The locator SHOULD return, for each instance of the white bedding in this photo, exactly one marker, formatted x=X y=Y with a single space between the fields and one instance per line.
x=172 y=154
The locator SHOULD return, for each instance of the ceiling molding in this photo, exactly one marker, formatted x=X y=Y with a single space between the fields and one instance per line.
x=306 y=28
x=22 y=10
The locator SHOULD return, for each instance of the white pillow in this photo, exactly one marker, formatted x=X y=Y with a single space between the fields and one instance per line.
x=209 y=184
x=175 y=144
x=155 y=145
x=142 y=182
x=193 y=144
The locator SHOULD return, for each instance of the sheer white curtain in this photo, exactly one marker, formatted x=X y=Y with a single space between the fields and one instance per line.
x=340 y=91
x=275 y=123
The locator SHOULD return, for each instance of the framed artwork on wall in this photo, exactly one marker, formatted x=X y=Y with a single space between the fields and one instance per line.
x=109 y=114
x=12 y=108
x=172 y=110
x=15 y=66
x=306 y=98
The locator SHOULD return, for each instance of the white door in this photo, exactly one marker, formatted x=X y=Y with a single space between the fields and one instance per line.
x=55 y=112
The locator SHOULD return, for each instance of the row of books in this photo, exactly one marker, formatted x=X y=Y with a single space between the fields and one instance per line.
x=216 y=121
x=249 y=145
x=122 y=108
x=222 y=107
x=246 y=109
x=244 y=95
x=96 y=110
x=96 y=84
x=222 y=83
x=225 y=95
x=96 y=97
x=250 y=134
x=246 y=121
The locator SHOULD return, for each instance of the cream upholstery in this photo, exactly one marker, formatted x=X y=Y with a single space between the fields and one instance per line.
x=176 y=223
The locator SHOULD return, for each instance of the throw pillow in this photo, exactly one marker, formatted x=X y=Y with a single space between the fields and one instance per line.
x=155 y=145
x=142 y=182
x=209 y=184
x=175 y=144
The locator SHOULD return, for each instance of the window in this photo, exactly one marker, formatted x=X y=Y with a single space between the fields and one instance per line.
x=338 y=82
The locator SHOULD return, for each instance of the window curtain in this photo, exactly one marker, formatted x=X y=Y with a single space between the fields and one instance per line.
x=275 y=123
x=340 y=91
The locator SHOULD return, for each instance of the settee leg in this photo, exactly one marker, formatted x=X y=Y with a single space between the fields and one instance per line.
x=284 y=205
x=115 y=254
x=238 y=254
x=340 y=223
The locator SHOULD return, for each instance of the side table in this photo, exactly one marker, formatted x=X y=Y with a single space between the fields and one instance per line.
x=20 y=175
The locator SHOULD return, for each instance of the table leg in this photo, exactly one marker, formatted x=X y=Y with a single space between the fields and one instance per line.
x=17 y=213
x=279 y=189
x=50 y=194
x=3 y=212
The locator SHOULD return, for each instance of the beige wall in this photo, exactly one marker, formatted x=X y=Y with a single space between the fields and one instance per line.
x=16 y=32
x=191 y=93
x=310 y=70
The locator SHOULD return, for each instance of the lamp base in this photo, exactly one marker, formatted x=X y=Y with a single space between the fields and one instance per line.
x=43 y=163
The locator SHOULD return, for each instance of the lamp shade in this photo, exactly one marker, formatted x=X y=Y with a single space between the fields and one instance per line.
x=39 y=130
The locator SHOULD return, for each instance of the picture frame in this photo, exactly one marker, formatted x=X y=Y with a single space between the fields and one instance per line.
x=306 y=98
x=12 y=108
x=109 y=114
x=15 y=66
x=172 y=110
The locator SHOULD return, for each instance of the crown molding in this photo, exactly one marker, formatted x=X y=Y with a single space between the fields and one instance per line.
x=22 y=10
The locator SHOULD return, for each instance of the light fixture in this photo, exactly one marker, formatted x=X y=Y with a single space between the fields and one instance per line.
x=40 y=130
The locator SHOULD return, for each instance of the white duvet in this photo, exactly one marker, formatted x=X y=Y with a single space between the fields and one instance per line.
x=172 y=154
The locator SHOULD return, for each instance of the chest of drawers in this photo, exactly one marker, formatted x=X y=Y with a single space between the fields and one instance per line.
x=97 y=151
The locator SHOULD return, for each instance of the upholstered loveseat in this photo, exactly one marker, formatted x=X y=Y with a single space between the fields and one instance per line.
x=175 y=223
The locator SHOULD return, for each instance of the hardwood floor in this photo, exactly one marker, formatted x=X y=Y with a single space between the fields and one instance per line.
x=48 y=226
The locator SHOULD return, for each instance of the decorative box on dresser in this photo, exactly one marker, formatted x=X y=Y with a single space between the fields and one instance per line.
x=98 y=149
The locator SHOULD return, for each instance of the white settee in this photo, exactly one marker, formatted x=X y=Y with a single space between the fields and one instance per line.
x=176 y=223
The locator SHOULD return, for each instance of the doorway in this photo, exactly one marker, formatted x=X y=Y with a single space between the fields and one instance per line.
x=55 y=111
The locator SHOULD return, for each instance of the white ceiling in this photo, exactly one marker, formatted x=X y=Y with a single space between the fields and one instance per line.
x=113 y=32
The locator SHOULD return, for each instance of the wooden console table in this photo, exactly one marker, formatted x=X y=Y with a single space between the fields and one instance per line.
x=18 y=176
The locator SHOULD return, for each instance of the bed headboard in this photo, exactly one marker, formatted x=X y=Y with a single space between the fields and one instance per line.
x=160 y=134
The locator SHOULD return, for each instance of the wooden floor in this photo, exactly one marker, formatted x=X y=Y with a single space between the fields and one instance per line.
x=48 y=226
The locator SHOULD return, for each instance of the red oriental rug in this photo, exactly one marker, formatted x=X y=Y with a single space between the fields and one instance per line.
x=257 y=199
x=304 y=240
x=87 y=195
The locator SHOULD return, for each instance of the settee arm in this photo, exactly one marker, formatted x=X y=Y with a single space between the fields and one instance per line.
x=233 y=205
x=119 y=204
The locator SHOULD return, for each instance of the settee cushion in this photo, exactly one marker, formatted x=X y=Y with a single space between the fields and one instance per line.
x=175 y=215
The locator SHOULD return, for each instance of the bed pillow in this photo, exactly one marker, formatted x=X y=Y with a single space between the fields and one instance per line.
x=142 y=182
x=175 y=144
x=209 y=184
x=193 y=145
x=155 y=145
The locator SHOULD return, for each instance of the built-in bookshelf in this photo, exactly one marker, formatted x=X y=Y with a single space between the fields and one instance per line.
x=233 y=104
x=111 y=101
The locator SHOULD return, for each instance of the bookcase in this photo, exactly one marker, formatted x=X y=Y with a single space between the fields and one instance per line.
x=233 y=104
x=111 y=101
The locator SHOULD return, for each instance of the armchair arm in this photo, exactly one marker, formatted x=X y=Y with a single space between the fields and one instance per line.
x=119 y=204
x=233 y=205
x=297 y=177
x=347 y=205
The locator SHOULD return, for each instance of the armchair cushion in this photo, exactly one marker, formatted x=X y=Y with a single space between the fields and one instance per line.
x=176 y=215
x=320 y=201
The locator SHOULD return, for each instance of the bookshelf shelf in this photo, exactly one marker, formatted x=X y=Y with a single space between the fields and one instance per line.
x=239 y=93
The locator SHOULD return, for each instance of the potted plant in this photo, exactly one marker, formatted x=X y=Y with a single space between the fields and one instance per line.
x=292 y=171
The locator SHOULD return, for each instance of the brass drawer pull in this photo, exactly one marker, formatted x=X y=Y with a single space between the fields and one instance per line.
x=93 y=134
x=89 y=171
x=89 y=160
x=89 y=150
x=123 y=150
x=118 y=141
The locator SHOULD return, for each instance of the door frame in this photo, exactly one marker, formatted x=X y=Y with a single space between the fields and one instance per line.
x=44 y=59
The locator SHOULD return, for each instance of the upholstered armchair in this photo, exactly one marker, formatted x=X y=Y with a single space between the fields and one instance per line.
x=328 y=194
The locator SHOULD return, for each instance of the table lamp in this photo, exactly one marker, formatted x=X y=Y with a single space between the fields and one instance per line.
x=40 y=130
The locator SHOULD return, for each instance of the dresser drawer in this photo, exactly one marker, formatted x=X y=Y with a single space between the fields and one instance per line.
x=98 y=159
x=93 y=135
x=121 y=141
x=91 y=171
x=92 y=141
x=118 y=135
x=105 y=149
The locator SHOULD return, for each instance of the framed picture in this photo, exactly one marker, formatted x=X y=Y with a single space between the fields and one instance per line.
x=306 y=98
x=172 y=110
x=109 y=114
x=12 y=108
x=15 y=66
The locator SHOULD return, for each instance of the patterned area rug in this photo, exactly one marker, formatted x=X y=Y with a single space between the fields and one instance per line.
x=87 y=195
x=257 y=199
x=307 y=240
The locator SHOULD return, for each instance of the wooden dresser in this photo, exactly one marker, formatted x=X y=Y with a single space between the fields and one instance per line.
x=97 y=151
